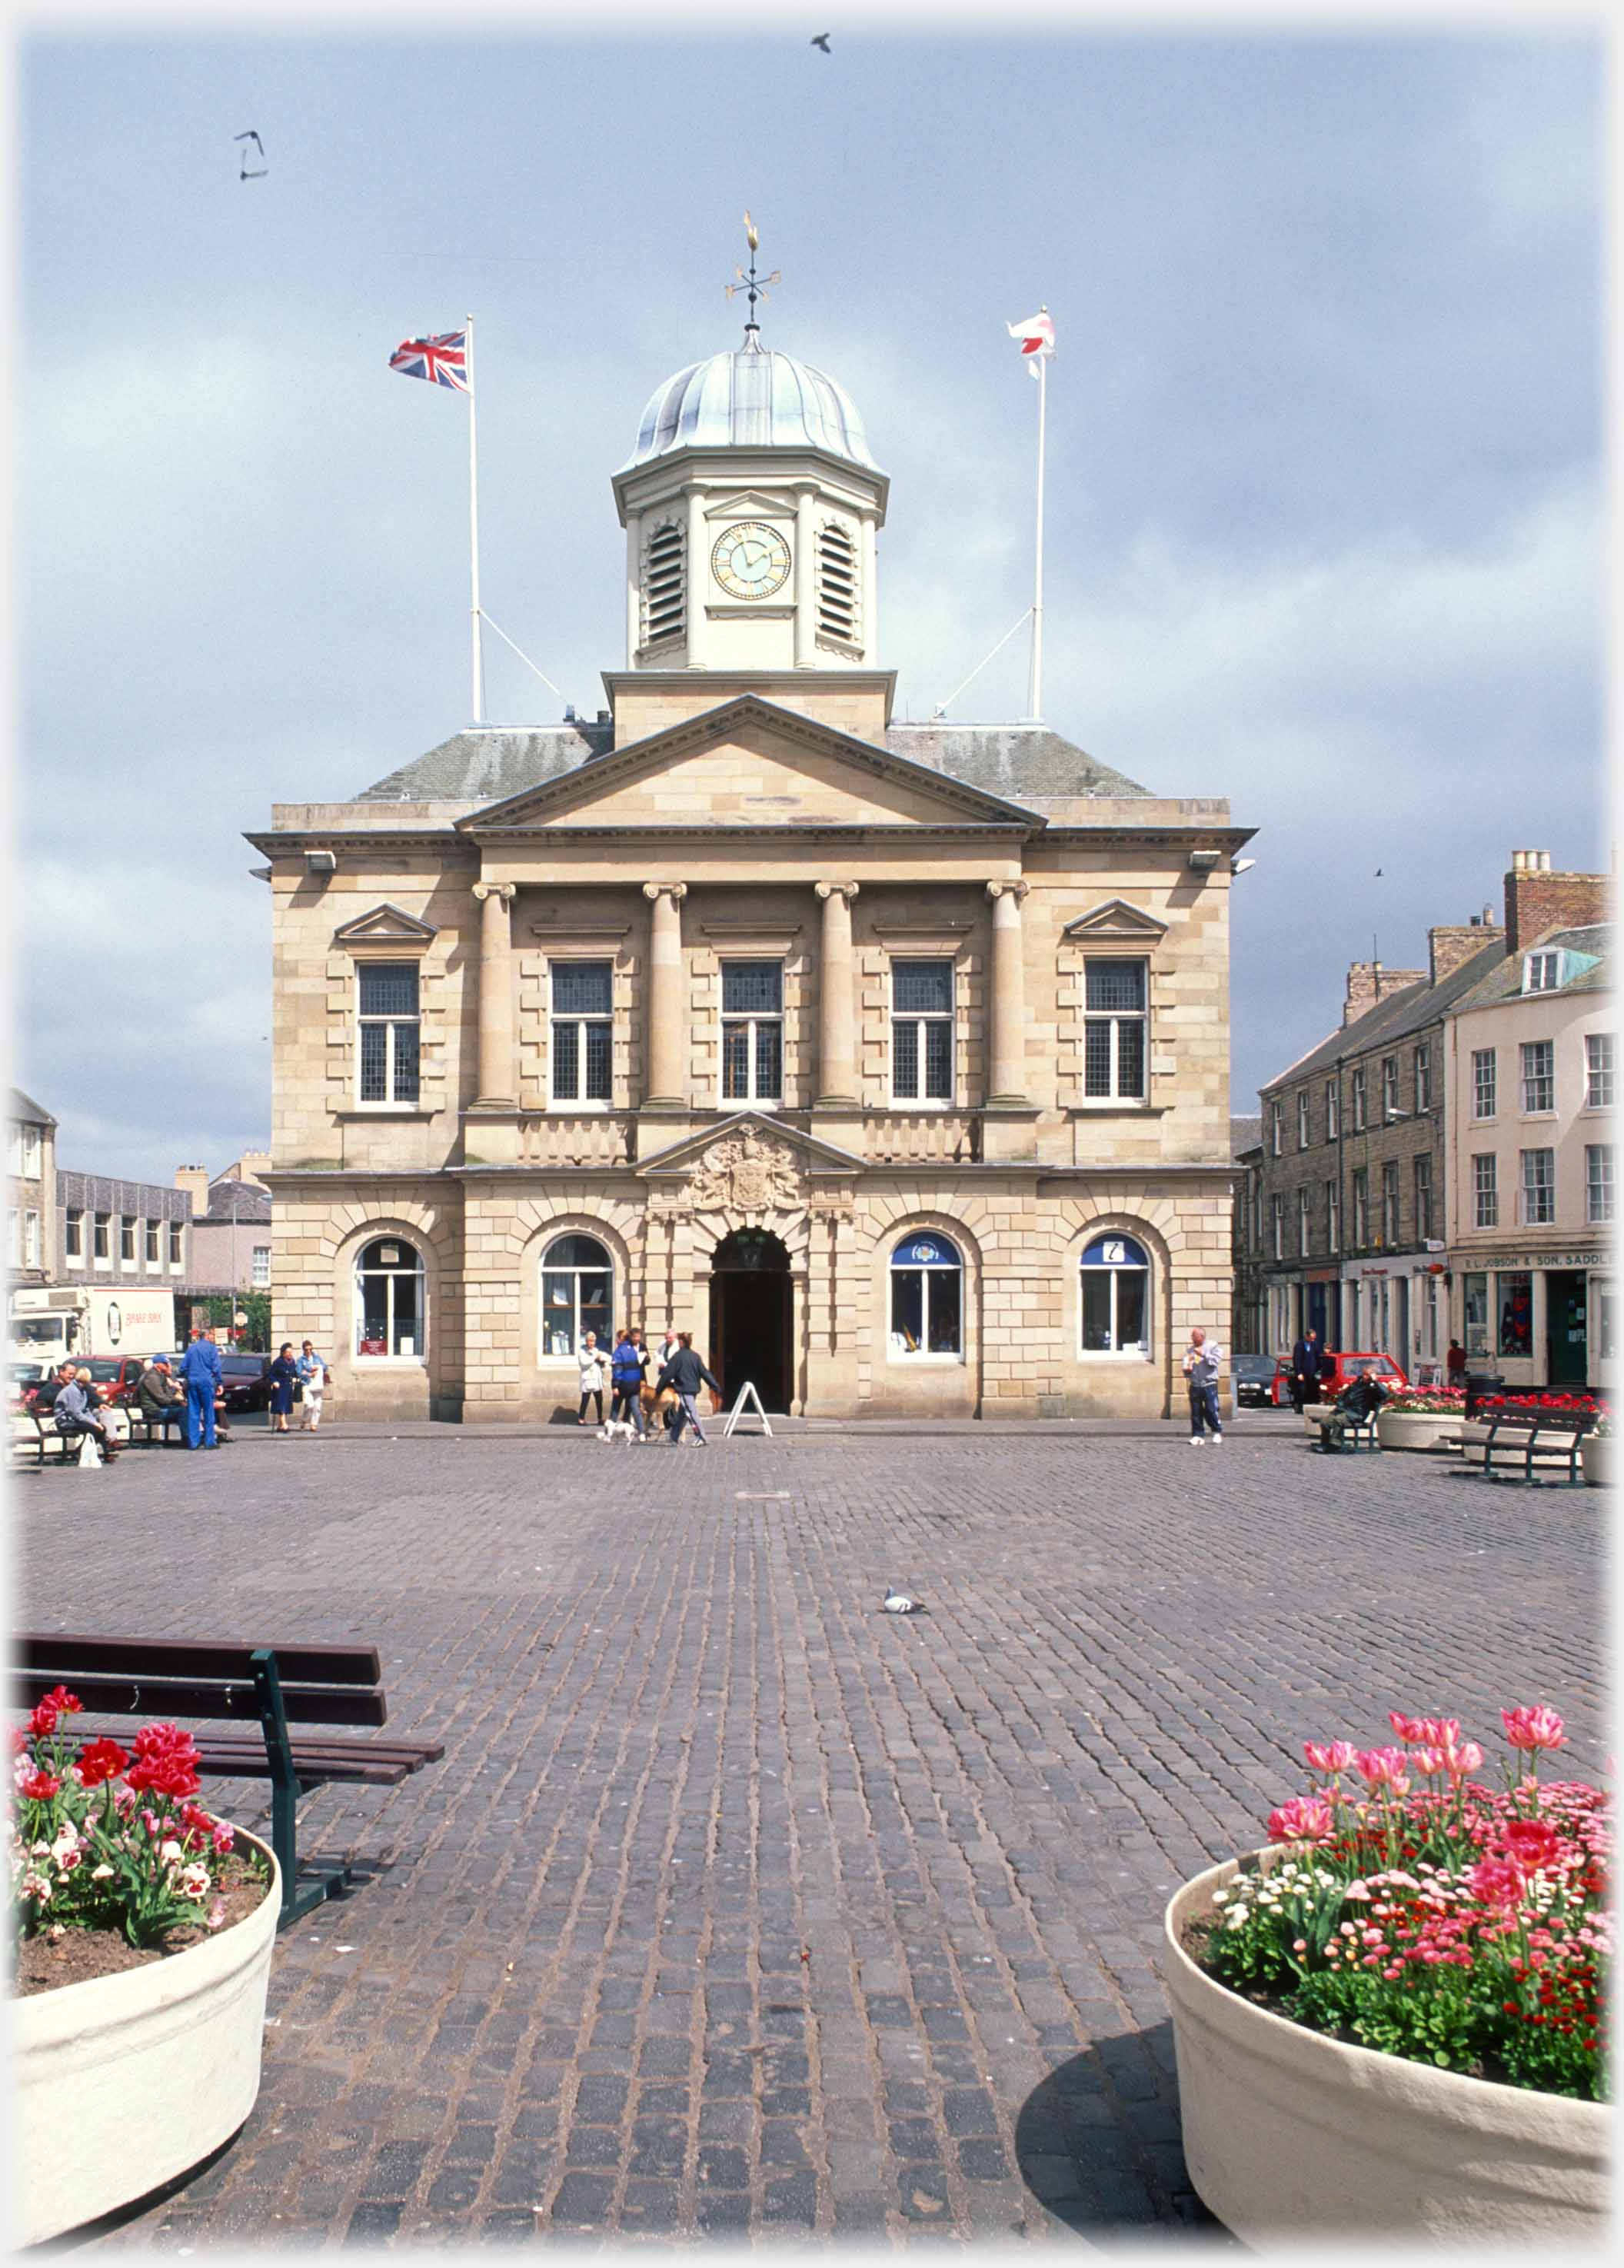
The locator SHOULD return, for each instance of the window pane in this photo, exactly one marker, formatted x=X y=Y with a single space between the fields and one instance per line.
x=768 y=1059
x=594 y=1304
x=907 y=1298
x=1097 y=1312
x=600 y=1062
x=581 y=988
x=566 y=1062
x=939 y=1062
x=1130 y=1061
x=751 y=988
x=926 y=1251
x=735 y=1062
x=1116 y=984
x=388 y=988
x=943 y=1289
x=407 y=1335
x=405 y=1061
x=576 y=1252
x=374 y=1048
x=905 y=1061
x=1096 y=1059
x=1516 y=1314
x=374 y=1324
x=922 y=988
x=557 y=1311
x=1131 y=1287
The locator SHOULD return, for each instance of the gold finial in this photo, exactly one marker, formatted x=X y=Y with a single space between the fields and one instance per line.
x=751 y=238
x=755 y=286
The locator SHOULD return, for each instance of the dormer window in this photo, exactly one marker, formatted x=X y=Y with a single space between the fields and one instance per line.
x=837 y=585
x=1542 y=972
x=664 y=585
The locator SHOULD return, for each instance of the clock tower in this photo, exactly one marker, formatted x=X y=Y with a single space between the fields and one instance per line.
x=751 y=505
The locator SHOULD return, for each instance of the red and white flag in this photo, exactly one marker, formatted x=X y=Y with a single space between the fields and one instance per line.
x=1037 y=338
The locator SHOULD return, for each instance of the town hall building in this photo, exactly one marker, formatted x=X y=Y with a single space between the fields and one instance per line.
x=890 y=1059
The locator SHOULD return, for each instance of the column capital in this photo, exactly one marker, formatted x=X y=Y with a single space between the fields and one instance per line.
x=505 y=891
x=1016 y=890
x=675 y=891
x=846 y=890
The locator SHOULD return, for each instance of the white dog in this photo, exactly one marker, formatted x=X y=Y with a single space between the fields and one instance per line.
x=619 y=1429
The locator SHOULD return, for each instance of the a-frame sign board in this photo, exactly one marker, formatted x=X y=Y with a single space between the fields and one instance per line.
x=747 y=1394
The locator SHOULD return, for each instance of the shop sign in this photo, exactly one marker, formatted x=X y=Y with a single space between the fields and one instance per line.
x=1497 y=1259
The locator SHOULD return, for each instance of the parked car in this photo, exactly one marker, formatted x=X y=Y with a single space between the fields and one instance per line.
x=113 y=1377
x=244 y=1382
x=1252 y=1376
x=1337 y=1370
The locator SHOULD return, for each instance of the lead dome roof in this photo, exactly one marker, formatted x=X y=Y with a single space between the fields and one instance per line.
x=753 y=397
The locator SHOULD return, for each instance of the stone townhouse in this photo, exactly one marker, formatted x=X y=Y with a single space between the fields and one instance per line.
x=30 y=1192
x=893 y=1059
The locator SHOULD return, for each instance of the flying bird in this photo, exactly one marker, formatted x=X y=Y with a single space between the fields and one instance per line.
x=821 y=40
x=248 y=174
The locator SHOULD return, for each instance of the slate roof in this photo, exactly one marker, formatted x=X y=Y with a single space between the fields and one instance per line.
x=26 y=1109
x=1245 y=1134
x=1411 y=1010
x=1504 y=981
x=487 y=763
x=239 y=1201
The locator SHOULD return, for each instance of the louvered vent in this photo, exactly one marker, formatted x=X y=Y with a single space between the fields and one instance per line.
x=837 y=585
x=663 y=585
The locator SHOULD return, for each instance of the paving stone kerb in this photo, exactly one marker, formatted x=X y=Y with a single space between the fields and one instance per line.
x=736 y=1905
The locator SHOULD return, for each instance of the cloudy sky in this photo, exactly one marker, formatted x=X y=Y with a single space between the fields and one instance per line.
x=1324 y=503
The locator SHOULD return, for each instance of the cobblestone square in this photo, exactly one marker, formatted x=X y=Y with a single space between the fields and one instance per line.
x=736 y=1905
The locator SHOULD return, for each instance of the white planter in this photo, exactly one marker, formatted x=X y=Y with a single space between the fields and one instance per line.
x=1418 y=1429
x=121 y=2083
x=1598 y=1453
x=1289 y=2135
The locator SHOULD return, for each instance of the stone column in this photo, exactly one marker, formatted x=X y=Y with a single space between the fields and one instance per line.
x=498 y=1089
x=806 y=580
x=1008 y=1082
x=696 y=586
x=667 y=1009
x=837 y=1064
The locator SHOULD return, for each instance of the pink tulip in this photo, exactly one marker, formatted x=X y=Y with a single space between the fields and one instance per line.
x=1407 y=1728
x=1468 y=1757
x=1497 y=1882
x=1533 y=1726
x=1440 y=1732
x=1531 y=1842
x=1329 y=1756
x=1382 y=1767
x=1305 y=1819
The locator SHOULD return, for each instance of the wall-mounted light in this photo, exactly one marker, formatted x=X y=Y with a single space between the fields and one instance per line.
x=1204 y=861
x=320 y=862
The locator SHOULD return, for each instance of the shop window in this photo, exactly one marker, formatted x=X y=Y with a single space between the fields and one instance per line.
x=751 y=1031
x=1476 y=1314
x=1516 y=1309
x=927 y=1298
x=1116 y=1297
x=578 y=1296
x=390 y=1303
x=583 y=1031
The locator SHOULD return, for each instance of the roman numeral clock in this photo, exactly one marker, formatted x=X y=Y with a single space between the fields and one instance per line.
x=750 y=560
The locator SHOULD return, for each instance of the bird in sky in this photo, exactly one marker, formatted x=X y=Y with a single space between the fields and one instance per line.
x=247 y=174
x=821 y=39
x=1379 y=873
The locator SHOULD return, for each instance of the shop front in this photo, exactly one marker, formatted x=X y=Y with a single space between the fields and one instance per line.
x=1537 y=1318
x=1399 y=1306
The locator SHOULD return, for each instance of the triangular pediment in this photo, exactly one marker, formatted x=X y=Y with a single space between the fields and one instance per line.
x=384 y=925
x=744 y=1131
x=1116 y=920
x=753 y=502
x=749 y=764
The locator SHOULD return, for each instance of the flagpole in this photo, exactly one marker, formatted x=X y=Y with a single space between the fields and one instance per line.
x=1034 y=704
x=473 y=532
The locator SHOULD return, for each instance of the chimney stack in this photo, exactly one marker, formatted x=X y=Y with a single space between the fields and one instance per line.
x=1451 y=943
x=1369 y=983
x=195 y=1180
x=1538 y=901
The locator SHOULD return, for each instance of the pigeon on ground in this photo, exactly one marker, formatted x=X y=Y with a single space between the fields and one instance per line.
x=821 y=40
x=899 y=1602
x=246 y=174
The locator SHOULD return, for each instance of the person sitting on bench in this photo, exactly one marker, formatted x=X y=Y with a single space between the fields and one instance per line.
x=72 y=1412
x=1357 y=1402
x=158 y=1398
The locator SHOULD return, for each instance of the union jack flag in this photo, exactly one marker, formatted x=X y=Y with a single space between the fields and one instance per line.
x=444 y=359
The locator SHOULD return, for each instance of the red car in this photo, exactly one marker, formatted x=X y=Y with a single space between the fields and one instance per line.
x=1336 y=1370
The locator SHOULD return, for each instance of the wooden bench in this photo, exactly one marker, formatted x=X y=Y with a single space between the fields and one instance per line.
x=1358 y=1432
x=140 y=1423
x=67 y=1445
x=1569 y=1429
x=266 y=1688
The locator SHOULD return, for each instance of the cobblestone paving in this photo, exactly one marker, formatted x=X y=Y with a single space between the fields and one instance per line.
x=736 y=1905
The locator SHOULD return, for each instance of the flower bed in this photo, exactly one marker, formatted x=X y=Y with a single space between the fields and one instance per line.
x=1513 y=1408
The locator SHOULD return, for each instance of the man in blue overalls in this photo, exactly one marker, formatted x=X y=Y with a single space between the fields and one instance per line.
x=200 y=1369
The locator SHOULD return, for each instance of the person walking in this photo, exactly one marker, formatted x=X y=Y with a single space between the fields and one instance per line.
x=592 y=1377
x=685 y=1374
x=1305 y=1370
x=74 y=1413
x=158 y=1397
x=200 y=1372
x=284 y=1376
x=628 y=1366
x=312 y=1385
x=1202 y=1358
x=1455 y=1363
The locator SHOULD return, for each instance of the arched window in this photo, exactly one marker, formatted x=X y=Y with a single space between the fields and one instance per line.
x=837 y=585
x=1116 y=1297
x=577 y=1295
x=663 y=612
x=391 y=1311
x=927 y=1298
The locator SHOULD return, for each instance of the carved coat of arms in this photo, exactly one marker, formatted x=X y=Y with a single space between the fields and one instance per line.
x=747 y=1174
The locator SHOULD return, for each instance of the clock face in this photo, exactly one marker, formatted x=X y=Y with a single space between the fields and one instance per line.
x=750 y=561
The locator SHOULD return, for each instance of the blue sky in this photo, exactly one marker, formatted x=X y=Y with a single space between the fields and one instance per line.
x=1325 y=472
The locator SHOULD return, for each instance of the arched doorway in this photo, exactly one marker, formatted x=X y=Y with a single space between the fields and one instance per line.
x=752 y=1317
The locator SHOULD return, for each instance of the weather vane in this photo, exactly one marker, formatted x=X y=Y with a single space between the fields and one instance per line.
x=754 y=284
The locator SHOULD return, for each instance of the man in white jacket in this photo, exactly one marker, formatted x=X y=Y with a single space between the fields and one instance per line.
x=1203 y=1360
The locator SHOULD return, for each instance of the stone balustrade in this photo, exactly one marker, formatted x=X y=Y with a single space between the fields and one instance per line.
x=593 y=1138
x=900 y=1137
